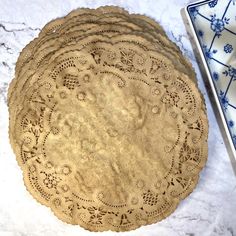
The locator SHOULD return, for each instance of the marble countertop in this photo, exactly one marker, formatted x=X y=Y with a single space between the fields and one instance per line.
x=209 y=210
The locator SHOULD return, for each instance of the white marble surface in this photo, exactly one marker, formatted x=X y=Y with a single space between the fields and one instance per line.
x=209 y=210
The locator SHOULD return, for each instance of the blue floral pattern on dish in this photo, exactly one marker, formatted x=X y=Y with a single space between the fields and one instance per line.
x=218 y=25
x=231 y=72
x=213 y=3
x=224 y=100
x=215 y=76
x=208 y=52
x=214 y=23
x=194 y=12
x=228 y=48
x=200 y=33
x=231 y=123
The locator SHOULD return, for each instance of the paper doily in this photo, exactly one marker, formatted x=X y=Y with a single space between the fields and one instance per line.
x=111 y=132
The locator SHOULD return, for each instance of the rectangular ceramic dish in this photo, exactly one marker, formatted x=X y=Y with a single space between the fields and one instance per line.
x=213 y=25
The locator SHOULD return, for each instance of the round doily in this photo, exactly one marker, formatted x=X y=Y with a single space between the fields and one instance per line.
x=111 y=132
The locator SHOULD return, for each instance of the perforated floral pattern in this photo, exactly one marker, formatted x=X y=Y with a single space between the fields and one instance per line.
x=111 y=132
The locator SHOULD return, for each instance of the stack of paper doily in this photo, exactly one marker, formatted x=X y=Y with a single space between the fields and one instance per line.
x=106 y=120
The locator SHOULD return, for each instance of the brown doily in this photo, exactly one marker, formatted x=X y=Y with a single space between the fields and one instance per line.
x=106 y=120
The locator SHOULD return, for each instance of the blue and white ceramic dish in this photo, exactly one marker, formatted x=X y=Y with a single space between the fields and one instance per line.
x=214 y=27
